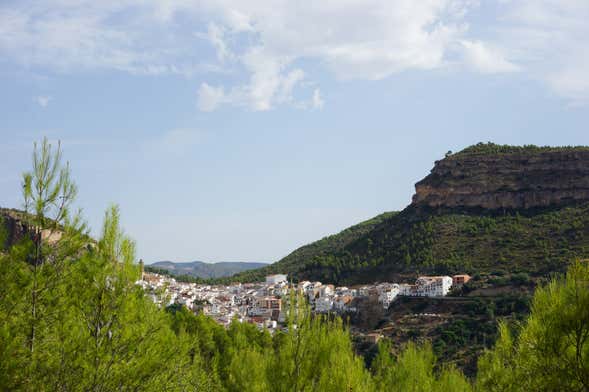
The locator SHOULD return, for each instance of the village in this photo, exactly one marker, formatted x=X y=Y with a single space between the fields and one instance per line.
x=265 y=303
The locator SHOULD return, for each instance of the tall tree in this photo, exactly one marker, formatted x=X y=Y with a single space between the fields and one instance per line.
x=551 y=352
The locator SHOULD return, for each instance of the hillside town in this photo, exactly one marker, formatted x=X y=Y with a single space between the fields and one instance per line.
x=265 y=303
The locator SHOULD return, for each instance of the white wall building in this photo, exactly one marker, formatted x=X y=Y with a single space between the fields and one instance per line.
x=433 y=286
x=386 y=297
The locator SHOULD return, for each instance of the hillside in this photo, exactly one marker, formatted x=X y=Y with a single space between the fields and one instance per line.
x=486 y=209
x=200 y=269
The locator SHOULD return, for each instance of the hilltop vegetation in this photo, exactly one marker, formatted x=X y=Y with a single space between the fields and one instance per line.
x=492 y=149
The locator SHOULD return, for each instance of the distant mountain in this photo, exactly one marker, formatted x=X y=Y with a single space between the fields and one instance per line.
x=201 y=269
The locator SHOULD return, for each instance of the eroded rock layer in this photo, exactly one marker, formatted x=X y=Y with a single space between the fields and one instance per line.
x=512 y=180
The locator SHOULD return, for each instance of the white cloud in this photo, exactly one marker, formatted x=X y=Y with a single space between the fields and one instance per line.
x=317 y=102
x=486 y=60
x=268 y=85
x=209 y=97
x=368 y=39
x=86 y=35
x=216 y=34
x=43 y=100
x=269 y=47
x=549 y=38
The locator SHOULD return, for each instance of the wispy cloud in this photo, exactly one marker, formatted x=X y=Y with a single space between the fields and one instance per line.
x=317 y=101
x=485 y=59
x=209 y=97
x=269 y=47
x=548 y=39
x=43 y=100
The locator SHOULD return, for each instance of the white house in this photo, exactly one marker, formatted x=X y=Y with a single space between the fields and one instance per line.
x=433 y=286
x=388 y=295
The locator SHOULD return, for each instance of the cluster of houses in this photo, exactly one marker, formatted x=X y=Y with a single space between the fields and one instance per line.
x=265 y=303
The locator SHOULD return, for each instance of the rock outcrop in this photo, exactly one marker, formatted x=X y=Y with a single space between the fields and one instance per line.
x=13 y=228
x=517 y=178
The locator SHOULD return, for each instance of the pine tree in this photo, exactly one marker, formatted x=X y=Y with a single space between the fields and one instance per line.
x=551 y=352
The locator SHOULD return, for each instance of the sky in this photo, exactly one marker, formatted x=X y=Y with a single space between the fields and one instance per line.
x=239 y=130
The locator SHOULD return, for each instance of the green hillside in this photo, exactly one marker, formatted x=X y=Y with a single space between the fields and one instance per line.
x=394 y=246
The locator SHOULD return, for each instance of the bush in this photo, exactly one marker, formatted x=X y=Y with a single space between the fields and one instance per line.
x=521 y=278
x=498 y=281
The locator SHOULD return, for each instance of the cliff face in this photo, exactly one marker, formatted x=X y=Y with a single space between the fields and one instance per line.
x=12 y=227
x=512 y=180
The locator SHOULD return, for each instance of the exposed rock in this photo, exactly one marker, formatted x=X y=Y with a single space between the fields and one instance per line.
x=13 y=228
x=519 y=179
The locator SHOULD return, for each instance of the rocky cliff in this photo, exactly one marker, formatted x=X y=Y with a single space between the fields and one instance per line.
x=502 y=177
x=12 y=227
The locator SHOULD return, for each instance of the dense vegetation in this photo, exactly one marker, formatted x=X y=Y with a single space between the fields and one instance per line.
x=398 y=246
x=460 y=328
x=492 y=148
x=73 y=319
x=420 y=239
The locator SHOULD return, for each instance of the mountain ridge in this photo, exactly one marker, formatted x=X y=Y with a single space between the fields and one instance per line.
x=201 y=269
x=489 y=213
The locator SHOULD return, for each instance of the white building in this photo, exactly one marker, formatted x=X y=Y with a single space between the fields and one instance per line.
x=387 y=296
x=433 y=286
x=407 y=289
x=276 y=279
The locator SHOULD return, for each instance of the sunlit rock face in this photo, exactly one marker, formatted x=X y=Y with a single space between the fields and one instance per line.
x=511 y=180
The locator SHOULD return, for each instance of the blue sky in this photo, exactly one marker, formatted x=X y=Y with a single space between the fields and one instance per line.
x=232 y=130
